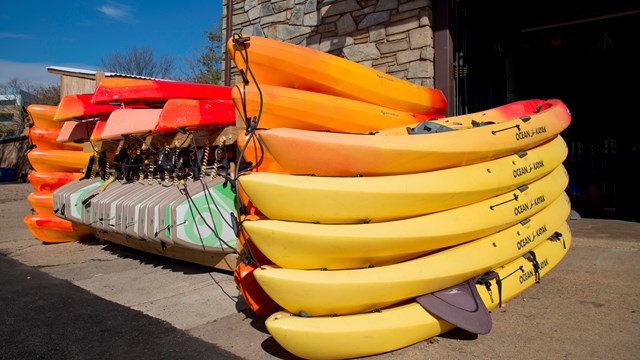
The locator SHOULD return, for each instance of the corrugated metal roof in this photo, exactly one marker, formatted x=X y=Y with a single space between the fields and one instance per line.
x=63 y=70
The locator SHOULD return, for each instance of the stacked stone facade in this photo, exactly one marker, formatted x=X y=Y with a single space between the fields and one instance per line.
x=393 y=36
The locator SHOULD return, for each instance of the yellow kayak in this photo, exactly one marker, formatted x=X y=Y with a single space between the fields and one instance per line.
x=366 y=334
x=320 y=199
x=299 y=245
x=326 y=292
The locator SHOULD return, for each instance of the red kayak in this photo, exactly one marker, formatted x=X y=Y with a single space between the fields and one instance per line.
x=195 y=114
x=146 y=91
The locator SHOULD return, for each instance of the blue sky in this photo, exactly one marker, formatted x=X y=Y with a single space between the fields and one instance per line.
x=38 y=34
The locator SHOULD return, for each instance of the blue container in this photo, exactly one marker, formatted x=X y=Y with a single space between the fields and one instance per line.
x=7 y=174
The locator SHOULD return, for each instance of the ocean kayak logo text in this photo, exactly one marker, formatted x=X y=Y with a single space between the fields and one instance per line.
x=521 y=135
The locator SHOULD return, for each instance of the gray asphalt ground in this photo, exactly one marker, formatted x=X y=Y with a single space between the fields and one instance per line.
x=100 y=300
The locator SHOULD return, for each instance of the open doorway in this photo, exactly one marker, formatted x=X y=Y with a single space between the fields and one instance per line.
x=583 y=56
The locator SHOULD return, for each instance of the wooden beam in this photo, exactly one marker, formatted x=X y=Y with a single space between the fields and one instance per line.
x=220 y=261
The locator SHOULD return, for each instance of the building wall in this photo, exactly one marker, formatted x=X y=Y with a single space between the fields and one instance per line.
x=393 y=36
x=10 y=111
x=70 y=84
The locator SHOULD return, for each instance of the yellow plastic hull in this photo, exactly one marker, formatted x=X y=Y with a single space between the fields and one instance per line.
x=299 y=245
x=274 y=62
x=366 y=334
x=326 y=292
x=327 y=200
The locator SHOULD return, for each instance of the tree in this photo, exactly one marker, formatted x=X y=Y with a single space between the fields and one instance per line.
x=30 y=93
x=44 y=94
x=21 y=93
x=139 y=61
x=206 y=66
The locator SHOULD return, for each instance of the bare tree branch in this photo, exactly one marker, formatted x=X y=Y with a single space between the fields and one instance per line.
x=139 y=61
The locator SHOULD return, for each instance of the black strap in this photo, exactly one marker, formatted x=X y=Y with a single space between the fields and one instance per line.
x=485 y=279
x=536 y=265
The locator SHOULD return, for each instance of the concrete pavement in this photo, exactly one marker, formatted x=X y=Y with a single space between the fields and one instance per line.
x=585 y=308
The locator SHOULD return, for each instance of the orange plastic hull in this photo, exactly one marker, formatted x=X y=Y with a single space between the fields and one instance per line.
x=41 y=202
x=42 y=116
x=196 y=114
x=252 y=151
x=387 y=153
x=292 y=108
x=275 y=62
x=98 y=130
x=79 y=106
x=46 y=139
x=253 y=294
x=43 y=181
x=58 y=160
x=52 y=229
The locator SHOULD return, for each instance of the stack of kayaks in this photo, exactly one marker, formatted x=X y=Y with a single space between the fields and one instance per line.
x=362 y=219
x=363 y=209
x=159 y=179
x=54 y=164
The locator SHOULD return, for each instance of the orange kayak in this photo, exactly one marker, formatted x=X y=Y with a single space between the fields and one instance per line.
x=400 y=151
x=80 y=107
x=98 y=129
x=46 y=139
x=283 y=64
x=253 y=294
x=252 y=151
x=195 y=114
x=145 y=91
x=41 y=202
x=44 y=181
x=58 y=160
x=42 y=116
x=52 y=229
x=279 y=106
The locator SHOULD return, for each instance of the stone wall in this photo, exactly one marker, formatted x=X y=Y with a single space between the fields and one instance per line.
x=393 y=36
